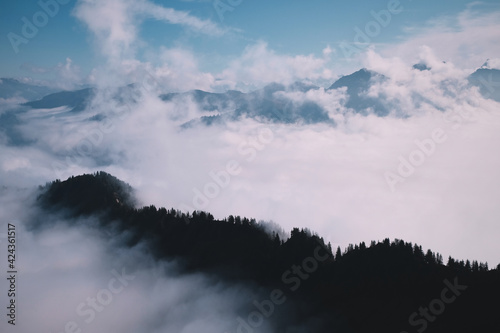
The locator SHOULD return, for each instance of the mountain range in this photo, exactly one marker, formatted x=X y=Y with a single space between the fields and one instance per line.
x=265 y=102
x=269 y=104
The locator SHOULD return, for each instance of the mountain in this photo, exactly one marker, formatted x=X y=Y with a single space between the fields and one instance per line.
x=11 y=118
x=77 y=100
x=265 y=104
x=269 y=104
x=209 y=101
x=488 y=81
x=421 y=67
x=358 y=84
x=384 y=287
x=10 y=88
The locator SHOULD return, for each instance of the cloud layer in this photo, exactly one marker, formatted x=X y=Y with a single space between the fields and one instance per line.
x=343 y=181
x=75 y=278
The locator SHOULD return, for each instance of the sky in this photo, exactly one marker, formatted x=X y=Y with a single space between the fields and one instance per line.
x=215 y=34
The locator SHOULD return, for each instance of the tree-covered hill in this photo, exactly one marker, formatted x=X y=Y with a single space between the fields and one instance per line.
x=381 y=287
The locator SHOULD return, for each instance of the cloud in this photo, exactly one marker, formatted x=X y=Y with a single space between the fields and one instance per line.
x=75 y=276
x=259 y=65
x=66 y=76
x=409 y=91
x=179 y=72
x=116 y=23
x=173 y=16
x=67 y=264
x=493 y=63
x=331 y=179
x=466 y=40
x=112 y=22
x=7 y=104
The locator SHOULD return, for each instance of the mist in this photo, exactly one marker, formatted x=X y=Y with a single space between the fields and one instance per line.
x=75 y=277
x=340 y=180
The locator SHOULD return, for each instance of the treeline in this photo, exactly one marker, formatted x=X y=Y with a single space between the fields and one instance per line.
x=382 y=284
x=430 y=258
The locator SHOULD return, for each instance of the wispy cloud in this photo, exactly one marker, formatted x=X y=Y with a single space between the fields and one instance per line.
x=259 y=64
x=115 y=23
x=173 y=16
x=467 y=39
x=66 y=75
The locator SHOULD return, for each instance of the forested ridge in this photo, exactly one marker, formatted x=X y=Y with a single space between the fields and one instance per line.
x=376 y=287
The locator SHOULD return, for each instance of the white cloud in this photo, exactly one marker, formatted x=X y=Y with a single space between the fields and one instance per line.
x=259 y=65
x=65 y=76
x=330 y=179
x=179 y=71
x=494 y=63
x=65 y=266
x=115 y=24
x=411 y=91
x=466 y=40
x=173 y=16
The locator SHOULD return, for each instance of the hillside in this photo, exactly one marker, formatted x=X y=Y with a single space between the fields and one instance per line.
x=383 y=287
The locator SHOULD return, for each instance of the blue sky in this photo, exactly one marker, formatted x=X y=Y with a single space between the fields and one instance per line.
x=288 y=28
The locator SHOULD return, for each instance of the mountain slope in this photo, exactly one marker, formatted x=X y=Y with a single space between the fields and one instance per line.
x=358 y=84
x=376 y=288
x=488 y=81
x=266 y=104
x=77 y=100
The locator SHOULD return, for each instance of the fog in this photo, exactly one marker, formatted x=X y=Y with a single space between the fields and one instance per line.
x=77 y=278
x=340 y=180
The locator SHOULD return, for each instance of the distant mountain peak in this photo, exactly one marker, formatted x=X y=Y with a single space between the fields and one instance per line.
x=360 y=77
x=421 y=67
x=357 y=85
x=487 y=80
x=302 y=86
